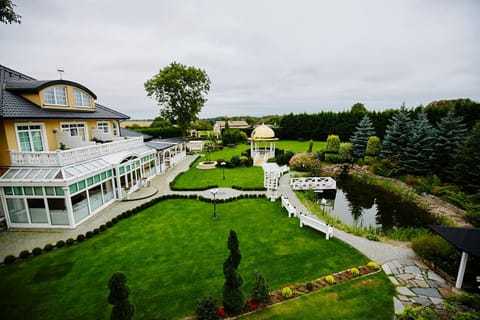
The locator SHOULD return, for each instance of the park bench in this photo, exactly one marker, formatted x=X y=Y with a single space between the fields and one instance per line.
x=316 y=224
x=291 y=210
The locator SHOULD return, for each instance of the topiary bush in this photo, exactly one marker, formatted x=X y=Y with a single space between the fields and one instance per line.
x=37 y=251
x=70 y=241
x=309 y=286
x=48 y=247
x=260 y=290
x=109 y=224
x=24 y=254
x=60 y=244
x=9 y=259
x=287 y=292
x=89 y=234
x=206 y=309
x=80 y=237
x=96 y=231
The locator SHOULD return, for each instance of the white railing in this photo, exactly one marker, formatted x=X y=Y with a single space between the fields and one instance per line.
x=66 y=157
x=317 y=225
x=291 y=210
x=315 y=183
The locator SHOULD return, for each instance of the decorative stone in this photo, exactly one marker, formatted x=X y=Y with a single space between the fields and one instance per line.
x=403 y=298
x=412 y=269
x=397 y=264
x=405 y=291
x=428 y=292
x=398 y=306
x=406 y=276
x=436 y=300
x=386 y=268
x=421 y=300
x=421 y=283
x=433 y=276
x=393 y=280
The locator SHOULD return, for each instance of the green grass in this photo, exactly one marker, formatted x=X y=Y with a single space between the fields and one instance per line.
x=351 y=300
x=172 y=254
x=299 y=146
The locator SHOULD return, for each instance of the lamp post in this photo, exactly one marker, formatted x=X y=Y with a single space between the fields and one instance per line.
x=214 y=192
x=223 y=163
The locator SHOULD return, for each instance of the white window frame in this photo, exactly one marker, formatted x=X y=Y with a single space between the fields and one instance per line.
x=57 y=93
x=76 y=123
x=81 y=99
x=42 y=135
x=116 y=130
x=102 y=125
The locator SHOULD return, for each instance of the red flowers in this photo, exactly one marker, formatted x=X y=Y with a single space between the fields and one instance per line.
x=220 y=311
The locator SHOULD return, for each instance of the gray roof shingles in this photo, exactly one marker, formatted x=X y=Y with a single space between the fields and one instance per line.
x=15 y=106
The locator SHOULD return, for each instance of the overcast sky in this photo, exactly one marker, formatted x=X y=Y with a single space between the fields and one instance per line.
x=263 y=57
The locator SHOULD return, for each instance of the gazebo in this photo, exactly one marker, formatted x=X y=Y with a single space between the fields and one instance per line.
x=466 y=240
x=262 y=144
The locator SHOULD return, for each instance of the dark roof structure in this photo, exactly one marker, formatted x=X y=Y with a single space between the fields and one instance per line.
x=13 y=105
x=124 y=132
x=465 y=239
x=162 y=144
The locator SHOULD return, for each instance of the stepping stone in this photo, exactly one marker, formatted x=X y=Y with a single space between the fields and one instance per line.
x=386 y=268
x=433 y=276
x=393 y=280
x=412 y=269
x=403 y=298
x=406 y=276
x=436 y=300
x=420 y=264
x=405 y=291
x=397 y=264
x=421 y=300
x=398 y=306
x=406 y=262
x=421 y=284
x=428 y=292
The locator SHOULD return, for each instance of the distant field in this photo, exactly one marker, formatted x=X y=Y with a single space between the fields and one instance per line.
x=140 y=123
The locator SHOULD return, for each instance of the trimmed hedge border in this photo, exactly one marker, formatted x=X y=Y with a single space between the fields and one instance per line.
x=25 y=254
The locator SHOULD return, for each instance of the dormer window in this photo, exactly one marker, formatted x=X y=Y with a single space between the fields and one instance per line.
x=56 y=96
x=82 y=99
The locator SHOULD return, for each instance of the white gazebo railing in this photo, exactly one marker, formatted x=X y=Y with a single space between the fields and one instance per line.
x=65 y=157
x=315 y=183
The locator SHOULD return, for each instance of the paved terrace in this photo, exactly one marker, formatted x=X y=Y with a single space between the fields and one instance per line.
x=414 y=282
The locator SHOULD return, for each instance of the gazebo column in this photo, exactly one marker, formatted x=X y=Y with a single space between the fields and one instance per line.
x=461 y=270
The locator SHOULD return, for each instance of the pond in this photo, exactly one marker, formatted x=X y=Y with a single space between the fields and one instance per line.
x=358 y=204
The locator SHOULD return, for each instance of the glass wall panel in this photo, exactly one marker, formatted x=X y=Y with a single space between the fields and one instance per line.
x=95 y=195
x=38 y=212
x=17 y=210
x=108 y=191
x=80 y=206
x=58 y=211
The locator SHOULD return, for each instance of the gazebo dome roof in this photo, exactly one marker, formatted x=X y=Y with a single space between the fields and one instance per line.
x=262 y=132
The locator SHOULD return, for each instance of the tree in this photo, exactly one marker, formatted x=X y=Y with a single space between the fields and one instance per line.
x=233 y=300
x=397 y=137
x=333 y=144
x=180 y=91
x=159 y=122
x=449 y=139
x=7 y=14
x=260 y=290
x=118 y=297
x=358 y=108
x=374 y=146
x=418 y=153
x=468 y=167
x=360 y=137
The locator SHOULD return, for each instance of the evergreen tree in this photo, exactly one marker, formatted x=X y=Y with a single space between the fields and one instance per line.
x=418 y=153
x=333 y=144
x=468 y=167
x=374 y=146
x=233 y=300
x=397 y=137
x=118 y=297
x=449 y=139
x=360 y=137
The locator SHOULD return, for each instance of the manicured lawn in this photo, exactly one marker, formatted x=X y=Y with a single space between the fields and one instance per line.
x=367 y=298
x=172 y=254
x=299 y=146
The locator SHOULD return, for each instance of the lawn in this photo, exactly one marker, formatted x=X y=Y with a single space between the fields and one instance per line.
x=172 y=254
x=352 y=300
x=299 y=146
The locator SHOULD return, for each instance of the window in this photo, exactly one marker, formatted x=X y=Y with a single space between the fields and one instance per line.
x=75 y=129
x=30 y=137
x=82 y=99
x=116 y=132
x=55 y=96
x=103 y=126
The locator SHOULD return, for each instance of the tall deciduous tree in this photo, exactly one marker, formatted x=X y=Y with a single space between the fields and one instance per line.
x=397 y=136
x=360 y=137
x=7 y=14
x=180 y=91
x=118 y=297
x=449 y=139
x=233 y=300
x=418 y=153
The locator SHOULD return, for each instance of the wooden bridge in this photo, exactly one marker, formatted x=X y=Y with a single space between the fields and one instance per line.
x=315 y=183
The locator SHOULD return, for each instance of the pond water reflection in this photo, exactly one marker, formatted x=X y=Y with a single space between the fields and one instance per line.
x=358 y=204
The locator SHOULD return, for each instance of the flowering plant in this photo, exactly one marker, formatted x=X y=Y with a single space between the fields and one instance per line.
x=355 y=272
x=330 y=279
x=220 y=311
x=373 y=265
x=287 y=292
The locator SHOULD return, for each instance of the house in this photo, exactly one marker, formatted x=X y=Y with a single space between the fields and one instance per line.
x=237 y=124
x=62 y=158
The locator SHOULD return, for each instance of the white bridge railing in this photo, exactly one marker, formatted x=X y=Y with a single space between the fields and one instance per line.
x=315 y=183
x=65 y=157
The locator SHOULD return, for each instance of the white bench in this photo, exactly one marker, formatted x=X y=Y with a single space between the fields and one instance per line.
x=291 y=210
x=317 y=225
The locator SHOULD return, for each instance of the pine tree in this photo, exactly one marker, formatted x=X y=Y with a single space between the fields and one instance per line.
x=468 y=167
x=418 y=153
x=449 y=139
x=118 y=297
x=233 y=300
x=360 y=137
x=397 y=137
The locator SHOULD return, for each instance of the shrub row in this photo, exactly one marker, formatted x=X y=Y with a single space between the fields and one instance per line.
x=248 y=188
x=89 y=234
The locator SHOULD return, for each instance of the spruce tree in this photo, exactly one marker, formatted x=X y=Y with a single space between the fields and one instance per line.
x=418 y=153
x=449 y=139
x=360 y=137
x=233 y=300
x=118 y=297
x=468 y=166
x=397 y=137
